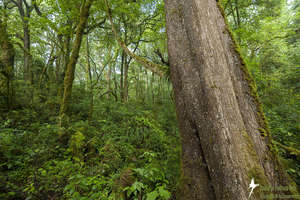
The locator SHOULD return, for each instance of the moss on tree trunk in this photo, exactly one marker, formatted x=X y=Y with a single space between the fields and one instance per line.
x=7 y=55
x=69 y=76
x=224 y=134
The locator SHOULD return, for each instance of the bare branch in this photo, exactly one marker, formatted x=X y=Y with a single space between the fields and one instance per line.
x=166 y=62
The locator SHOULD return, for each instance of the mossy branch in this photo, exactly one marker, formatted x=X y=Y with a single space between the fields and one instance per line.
x=158 y=69
x=290 y=150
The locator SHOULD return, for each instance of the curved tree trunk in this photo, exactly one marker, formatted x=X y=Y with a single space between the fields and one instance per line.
x=69 y=77
x=225 y=139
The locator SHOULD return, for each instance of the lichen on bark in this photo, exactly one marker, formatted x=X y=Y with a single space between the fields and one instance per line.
x=220 y=117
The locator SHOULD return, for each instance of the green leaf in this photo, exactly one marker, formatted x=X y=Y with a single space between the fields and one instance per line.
x=152 y=195
x=164 y=193
x=137 y=186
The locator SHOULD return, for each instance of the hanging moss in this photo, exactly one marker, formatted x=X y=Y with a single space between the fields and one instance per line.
x=258 y=175
x=250 y=145
x=263 y=132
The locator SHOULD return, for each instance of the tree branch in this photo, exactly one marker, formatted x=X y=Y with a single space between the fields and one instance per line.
x=156 y=68
x=166 y=62
x=36 y=8
x=90 y=28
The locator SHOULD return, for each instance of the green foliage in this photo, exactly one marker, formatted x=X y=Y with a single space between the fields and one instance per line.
x=84 y=162
x=128 y=147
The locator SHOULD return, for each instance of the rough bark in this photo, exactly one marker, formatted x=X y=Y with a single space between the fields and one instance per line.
x=69 y=76
x=225 y=138
x=7 y=55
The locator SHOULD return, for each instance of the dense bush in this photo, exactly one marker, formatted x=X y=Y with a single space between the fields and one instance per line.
x=126 y=150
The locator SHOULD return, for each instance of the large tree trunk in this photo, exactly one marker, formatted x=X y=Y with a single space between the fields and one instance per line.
x=225 y=139
x=7 y=55
x=69 y=77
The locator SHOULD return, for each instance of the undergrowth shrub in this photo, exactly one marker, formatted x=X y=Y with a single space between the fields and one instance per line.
x=39 y=160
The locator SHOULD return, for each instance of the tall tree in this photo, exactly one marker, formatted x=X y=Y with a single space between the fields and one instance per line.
x=25 y=9
x=89 y=80
x=7 y=55
x=225 y=138
x=69 y=76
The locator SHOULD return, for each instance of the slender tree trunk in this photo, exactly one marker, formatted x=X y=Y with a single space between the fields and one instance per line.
x=110 y=72
x=69 y=77
x=152 y=88
x=122 y=76
x=225 y=139
x=125 y=89
x=237 y=13
x=25 y=13
x=58 y=60
x=137 y=86
x=89 y=79
x=238 y=18
x=147 y=90
x=108 y=79
x=159 y=92
x=143 y=88
x=7 y=55
x=115 y=83
x=57 y=69
x=233 y=15
x=65 y=60
x=50 y=62
x=27 y=55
